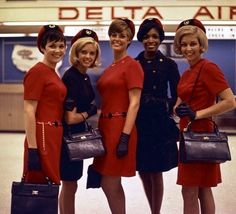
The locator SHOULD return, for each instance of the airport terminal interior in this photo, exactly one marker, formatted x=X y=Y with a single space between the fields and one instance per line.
x=20 y=21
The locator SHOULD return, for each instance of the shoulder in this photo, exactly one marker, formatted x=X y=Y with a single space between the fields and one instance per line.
x=132 y=61
x=37 y=71
x=133 y=64
x=210 y=68
x=140 y=56
x=69 y=74
x=36 y=68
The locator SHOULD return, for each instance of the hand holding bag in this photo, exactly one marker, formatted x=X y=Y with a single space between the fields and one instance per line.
x=28 y=198
x=211 y=147
x=84 y=145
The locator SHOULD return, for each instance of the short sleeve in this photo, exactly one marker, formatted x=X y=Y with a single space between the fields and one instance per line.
x=33 y=84
x=134 y=75
x=214 y=79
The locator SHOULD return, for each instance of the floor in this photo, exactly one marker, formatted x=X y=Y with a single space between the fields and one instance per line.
x=93 y=200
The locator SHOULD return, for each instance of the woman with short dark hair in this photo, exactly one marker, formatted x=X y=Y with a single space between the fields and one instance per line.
x=44 y=95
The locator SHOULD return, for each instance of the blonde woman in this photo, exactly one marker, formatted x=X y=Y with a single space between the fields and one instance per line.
x=79 y=105
x=197 y=179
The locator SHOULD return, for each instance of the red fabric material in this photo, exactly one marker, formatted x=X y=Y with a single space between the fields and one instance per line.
x=113 y=86
x=43 y=84
x=210 y=83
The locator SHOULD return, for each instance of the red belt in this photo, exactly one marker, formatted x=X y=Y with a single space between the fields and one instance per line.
x=55 y=123
x=111 y=115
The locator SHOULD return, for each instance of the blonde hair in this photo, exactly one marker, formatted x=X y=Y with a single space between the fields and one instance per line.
x=190 y=30
x=78 y=45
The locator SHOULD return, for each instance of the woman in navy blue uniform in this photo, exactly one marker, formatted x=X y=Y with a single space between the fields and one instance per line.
x=79 y=105
x=157 y=132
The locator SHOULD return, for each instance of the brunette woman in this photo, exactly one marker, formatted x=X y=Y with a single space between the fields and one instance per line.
x=120 y=89
x=44 y=95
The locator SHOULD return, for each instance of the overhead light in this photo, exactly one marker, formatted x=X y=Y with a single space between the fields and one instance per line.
x=51 y=22
x=23 y=23
x=169 y=33
x=32 y=34
x=12 y=34
x=219 y=22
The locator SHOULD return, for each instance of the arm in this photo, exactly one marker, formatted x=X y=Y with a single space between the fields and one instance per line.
x=73 y=117
x=177 y=104
x=174 y=78
x=226 y=103
x=134 y=99
x=30 y=107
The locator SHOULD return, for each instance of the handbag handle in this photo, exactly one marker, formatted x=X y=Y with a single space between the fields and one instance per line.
x=88 y=127
x=46 y=177
x=215 y=131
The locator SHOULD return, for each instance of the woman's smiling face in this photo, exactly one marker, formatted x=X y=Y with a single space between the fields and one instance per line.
x=191 y=48
x=87 y=55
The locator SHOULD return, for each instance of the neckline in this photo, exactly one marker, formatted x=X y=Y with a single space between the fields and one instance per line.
x=120 y=60
x=50 y=68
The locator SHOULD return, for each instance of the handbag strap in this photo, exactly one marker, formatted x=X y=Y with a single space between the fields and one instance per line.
x=87 y=125
x=195 y=83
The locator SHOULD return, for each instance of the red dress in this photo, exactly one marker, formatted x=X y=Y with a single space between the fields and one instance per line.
x=113 y=87
x=210 y=83
x=42 y=84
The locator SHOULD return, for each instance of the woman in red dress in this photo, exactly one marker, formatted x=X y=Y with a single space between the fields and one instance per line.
x=120 y=89
x=198 y=178
x=44 y=95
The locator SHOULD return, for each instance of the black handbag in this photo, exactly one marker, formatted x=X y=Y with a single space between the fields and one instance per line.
x=211 y=147
x=84 y=145
x=28 y=198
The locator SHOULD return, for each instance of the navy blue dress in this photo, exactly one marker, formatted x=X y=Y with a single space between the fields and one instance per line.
x=80 y=92
x=157 y=131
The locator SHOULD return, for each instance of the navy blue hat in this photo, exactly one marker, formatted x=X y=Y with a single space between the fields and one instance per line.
x=147 y=25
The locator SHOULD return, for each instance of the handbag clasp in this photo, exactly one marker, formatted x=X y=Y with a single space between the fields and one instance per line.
x=35 y=192
x=206 y=138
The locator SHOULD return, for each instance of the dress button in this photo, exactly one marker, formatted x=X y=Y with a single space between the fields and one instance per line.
x=154 y=71
x=154 y=87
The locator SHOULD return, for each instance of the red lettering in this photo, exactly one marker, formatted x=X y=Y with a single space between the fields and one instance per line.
x=132 y=10
x=139 y=12
x=152 y=11
x=232 y=12
x=219 y=12
x=91 y=13
x=113 y=14
x=203 y=11
x=68 y=13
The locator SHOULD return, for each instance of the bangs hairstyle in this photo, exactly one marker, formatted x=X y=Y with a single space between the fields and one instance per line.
x=118 y=26
x=52 y=35
x=78 y=45
x=190 y=30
